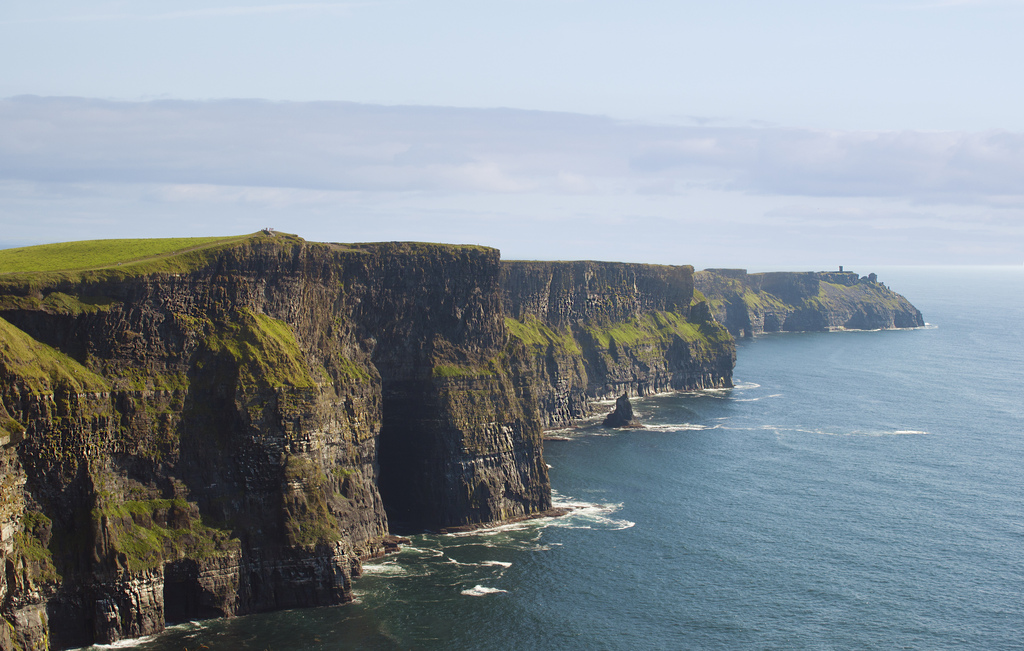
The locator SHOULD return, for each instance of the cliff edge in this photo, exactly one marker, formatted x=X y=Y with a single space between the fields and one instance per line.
x=229 y=427
x=208 y=427
x=752 y=304
x=597 y=330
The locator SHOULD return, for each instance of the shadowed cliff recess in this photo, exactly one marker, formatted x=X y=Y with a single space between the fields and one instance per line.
x=207 y=427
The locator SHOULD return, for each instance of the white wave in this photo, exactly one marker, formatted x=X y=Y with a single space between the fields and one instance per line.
x=773 y=395
x=481 y=591
x=899 y=432
x=676 y=427
x=560 y=432
x=421 y=550
x=383 y=569
x=496 y=564
x=589 y=515
x=746 y=385
x=494 y=531
x=129 y=643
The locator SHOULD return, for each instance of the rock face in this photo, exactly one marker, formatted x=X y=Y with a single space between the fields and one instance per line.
x=596 y=330
x=751 y=304
x=622 y=415
x=234 y=429
x=232 y=434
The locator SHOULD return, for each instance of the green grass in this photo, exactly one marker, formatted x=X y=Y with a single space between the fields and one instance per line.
x=351 y=370
x=147 y=547
x=57 y=303
x=760 y=300
x=657 y=327
x=29 y=270
x=452 y=370
x=41 y=367
x=101 y=254
x=31 y=547
x=265 y=350
x=536 y=334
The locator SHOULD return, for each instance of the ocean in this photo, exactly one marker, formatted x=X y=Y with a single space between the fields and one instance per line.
x=856 y=490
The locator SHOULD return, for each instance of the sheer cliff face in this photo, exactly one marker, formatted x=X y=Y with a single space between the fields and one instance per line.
x=750 y=304
x=461 y=437
x=601 y=329
x=233 y=438
x=236 y=430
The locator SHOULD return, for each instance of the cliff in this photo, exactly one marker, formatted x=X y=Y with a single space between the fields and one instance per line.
x=230 y=428
x=597 y=330
x=751 y=304
x=211 y=427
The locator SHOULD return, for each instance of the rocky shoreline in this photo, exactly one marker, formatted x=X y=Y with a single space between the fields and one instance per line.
x=237 y=430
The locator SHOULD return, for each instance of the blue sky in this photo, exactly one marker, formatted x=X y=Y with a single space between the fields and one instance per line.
x=756 y=134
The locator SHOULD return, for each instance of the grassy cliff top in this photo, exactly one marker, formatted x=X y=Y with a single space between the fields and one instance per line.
x=141 y=256
x=54 y=265
x=94 y=255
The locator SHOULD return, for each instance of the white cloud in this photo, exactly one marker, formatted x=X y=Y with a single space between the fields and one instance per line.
x=343 y=146
x=535 y=184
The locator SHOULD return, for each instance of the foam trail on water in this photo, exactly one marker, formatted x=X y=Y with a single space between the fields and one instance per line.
x=677 y=427
x=746 y=385
x=588 y=515
x=481 y=591
x=384 y=569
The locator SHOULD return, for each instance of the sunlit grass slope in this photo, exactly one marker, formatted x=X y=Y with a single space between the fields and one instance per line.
x=101 y=254
x=31 y=268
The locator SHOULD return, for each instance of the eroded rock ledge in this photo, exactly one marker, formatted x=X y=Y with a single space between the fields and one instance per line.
x=234 y=429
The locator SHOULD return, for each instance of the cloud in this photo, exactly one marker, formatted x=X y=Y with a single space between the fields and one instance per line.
x=337 y=146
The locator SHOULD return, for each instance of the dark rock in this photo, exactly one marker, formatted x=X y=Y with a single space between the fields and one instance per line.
x=593 y=330
x=237 y=435
x=622 y=415
x=751 y=304
x=392 y=543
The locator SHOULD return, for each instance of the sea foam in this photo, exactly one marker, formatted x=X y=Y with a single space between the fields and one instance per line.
x=481 y=591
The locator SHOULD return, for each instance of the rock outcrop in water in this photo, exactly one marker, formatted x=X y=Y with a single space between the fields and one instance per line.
x=751 y=304
x=622 y=415
x=233 y=429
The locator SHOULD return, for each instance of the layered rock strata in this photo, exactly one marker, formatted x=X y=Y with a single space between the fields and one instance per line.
x=234 y=429
x=596 y=330
x=751 y=304
x=231 y=434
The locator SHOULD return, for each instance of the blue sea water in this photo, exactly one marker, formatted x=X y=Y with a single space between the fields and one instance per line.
x=856 y=490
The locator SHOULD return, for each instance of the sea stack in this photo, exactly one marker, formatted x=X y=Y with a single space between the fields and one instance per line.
x=623 y=414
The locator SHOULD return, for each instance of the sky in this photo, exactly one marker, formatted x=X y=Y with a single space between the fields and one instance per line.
x=771 y=134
